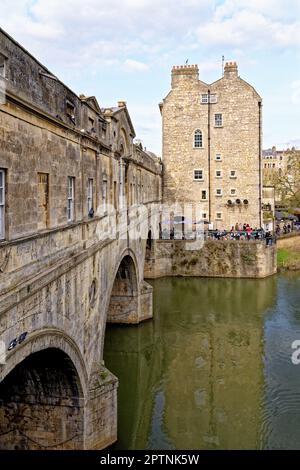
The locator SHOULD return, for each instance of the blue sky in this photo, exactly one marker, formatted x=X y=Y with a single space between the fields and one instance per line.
x=125 y=49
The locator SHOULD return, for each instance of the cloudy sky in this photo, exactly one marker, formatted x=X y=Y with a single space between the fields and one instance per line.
x=124 y=50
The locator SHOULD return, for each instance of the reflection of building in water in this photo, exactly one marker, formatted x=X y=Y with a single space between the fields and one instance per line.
x=133 y=356
x=214 y=369
x=193 y=378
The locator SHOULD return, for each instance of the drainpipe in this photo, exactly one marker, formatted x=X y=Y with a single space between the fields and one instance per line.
x=208 y=153
x=260 y=162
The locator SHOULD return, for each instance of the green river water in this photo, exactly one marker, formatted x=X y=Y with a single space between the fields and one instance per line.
x=213 y=369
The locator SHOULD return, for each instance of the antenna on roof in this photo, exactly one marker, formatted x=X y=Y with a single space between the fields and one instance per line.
x=223 y=59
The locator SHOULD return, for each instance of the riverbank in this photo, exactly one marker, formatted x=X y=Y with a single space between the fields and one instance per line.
x=288 y=259
x=288 y=253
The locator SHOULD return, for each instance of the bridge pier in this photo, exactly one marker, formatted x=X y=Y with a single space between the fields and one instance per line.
x=100 y=423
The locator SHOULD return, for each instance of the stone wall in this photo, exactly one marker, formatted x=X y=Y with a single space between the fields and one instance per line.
x=291 y=240
x=240 y=259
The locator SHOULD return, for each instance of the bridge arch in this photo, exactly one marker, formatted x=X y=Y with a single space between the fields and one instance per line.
x=43 y=339
x=42 y=403
x=123 y=302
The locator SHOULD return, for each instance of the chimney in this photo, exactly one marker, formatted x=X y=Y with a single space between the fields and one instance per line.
x=121 y=104
x=184 y=73
x=230 y=70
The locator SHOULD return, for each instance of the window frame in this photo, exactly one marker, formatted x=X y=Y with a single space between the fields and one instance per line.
x=199 y=133
x=220 y=175
x=235 y=192
x=222 y=121
x=218 y=155
x=233 y=176
x=202 y=173
x=220 y=194
x=3 y=60
x=221 y=216
x=71 y=199
x=3 y=205
x=203 y=191
x=90 y=194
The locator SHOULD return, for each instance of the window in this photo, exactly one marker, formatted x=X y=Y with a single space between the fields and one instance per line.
x=219 y=215
x=2 y=204
x=43 y=200
x=198 y=141
x=91 y=125
x=198 y=175
x=273 y=165
x=2 y=65
x=104 y=193
x=70 y=111
x=218 y=120
x=203 y=194
x=204 y=215
x=233 y=192
x=71 y=193
x=205 y=99
x=90 y=195
x=218 y=157
x=232 y=174
x=218 y=192
x=218 y=174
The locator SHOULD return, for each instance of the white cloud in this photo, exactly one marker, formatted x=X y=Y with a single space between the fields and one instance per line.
x=267 y=23
x=135 y=65
x=111 y=28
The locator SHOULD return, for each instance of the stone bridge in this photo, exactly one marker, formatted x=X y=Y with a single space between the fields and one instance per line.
x=55 y=391
x=76 y=193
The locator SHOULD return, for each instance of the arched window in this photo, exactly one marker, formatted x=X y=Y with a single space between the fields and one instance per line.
x=198 y=139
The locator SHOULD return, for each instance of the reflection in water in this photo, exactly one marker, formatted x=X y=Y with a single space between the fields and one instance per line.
x=213 y=369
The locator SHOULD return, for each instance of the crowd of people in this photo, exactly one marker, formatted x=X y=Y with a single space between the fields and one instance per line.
x=237 y=232
x=245 y=232
x=287 y=228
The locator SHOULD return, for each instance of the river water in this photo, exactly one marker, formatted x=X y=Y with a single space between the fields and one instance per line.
x=213 y=369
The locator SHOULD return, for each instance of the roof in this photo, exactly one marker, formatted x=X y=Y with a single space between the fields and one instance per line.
x=92 y=102
x=115 y=110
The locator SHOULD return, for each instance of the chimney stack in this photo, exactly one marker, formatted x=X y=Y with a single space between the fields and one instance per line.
x=183 y=73
x=231 y=70
x=121 y=104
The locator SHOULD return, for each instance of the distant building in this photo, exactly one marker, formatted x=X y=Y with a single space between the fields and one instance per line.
x=278 y=166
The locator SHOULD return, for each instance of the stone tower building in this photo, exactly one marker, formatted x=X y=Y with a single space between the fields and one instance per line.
x=212 y=147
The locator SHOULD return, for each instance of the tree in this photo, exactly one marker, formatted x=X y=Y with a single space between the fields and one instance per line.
x=286 y=180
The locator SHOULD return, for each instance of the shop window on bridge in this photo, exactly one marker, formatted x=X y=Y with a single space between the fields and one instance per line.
x=90 y=197
x=104 y=194
x=2 y=65
x=71 y=199
x=43 y=200
x=2 y=204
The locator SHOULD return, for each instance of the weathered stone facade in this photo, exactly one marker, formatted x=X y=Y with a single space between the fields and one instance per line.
x=228 y=259
x=214 y=130
x=73 y=181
